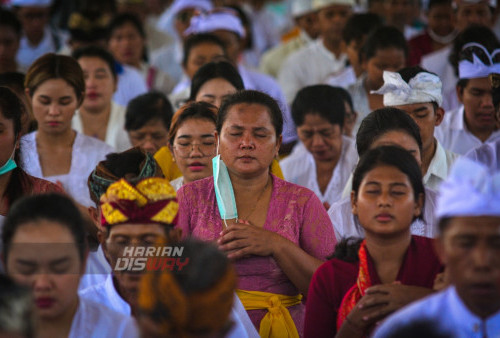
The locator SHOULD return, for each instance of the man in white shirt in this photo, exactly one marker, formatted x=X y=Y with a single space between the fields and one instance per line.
x=473 y=123
x=469 y=246
x=322 y=58
x=418 y=93
x=319 y=113
x=306 y=21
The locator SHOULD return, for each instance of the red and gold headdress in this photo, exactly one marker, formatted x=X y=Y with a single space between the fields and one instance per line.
x=152 y=200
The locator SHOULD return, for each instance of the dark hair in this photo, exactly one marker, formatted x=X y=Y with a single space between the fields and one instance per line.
x=252 y=97
x=127 y=162
x=198 y=39
x=55 y=66
x=16 y=308
x=322 y=100
x=383 y=37
x=123 y=18
x=214 y=70
x=88 y=25
x=346 y=97
x=360 y=25
x=9 y=19
x=474 y=33
x=408 y=73
x=429 y=328
x=382 y=121
x=191 y=110
x=51 y=207
x=247 y=24
x=393 y=156
x=433 y=3
x=13 y=80
x=12 y=108
x=97 y=52
x=147 y=107
x=347 y=249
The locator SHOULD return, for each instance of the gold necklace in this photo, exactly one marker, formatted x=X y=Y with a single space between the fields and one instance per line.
x=257 y=202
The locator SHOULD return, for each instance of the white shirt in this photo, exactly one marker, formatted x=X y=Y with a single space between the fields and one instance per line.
x=27 y=53
x=92 y=320
x=439 y=167
x=310 y=65
x=345 y=224
x=177 y=183
x=447 y=313
x=300 y=168
x=454 y=135
x=130 y=85
x=116 y=135
x=345 y=78
x=87 y=152
x=169 y=60
x=488 y=154
x=105 y=293
x=360 y=102
x=97 y=269
x=437 y=62
x=156 y=79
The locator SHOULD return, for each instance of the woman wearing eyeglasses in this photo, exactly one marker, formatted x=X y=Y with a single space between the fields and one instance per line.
x=192 y=141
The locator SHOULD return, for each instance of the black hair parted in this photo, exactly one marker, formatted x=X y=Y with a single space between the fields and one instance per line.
x=52 y=207
x=147 y=107
x=251 y=97
x=9 y=19
x=97 y=52
x=214 y=70
x=383 y=37
x=384 y=120
x=323 y=100
x=195 y=40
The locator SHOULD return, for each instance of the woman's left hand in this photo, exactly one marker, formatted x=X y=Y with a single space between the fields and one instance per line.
x=243 y=239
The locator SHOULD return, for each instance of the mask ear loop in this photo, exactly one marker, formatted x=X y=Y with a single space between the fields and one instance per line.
x=218 y=154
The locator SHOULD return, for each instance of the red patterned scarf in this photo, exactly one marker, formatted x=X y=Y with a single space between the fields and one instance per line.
x=357 y=291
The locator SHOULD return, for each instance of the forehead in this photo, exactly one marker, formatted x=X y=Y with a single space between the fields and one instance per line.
x=87 y=62
x=395 y=137
x=482 y=83
x=194 y=126
x=315 y=120
x=248 y=114
x=55 y=86
x=409 y=108
x=43 y=232
x=136 y=229
x=386 y=174
x=206 y=48
x=473 y=226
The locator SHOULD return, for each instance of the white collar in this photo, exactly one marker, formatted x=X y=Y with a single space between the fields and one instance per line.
x=119 y=304
x=438 y=166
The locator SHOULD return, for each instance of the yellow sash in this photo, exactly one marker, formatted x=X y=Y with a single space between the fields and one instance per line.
x=277 y=322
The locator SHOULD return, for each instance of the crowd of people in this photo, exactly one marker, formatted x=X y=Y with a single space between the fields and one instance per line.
x=246 y=168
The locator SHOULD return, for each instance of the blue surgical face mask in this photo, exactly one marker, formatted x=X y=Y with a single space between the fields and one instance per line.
x=224 y=190
x=9 y=165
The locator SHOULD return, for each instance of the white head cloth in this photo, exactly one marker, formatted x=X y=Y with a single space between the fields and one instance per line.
x=301 y=7
x=34 y=3
x=471 y=189
x=477 y=68
x=180 y=5
x=318 y=4
x=423 y=87
x=224 y=19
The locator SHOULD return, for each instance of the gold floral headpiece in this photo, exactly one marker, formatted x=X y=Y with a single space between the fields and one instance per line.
x=152 y=200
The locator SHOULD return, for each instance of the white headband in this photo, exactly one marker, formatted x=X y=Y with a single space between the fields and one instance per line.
x=471 y=189
x=209 y=22
x=477 y=68
x=180 y=5
x=424 y=87
x=35 y=3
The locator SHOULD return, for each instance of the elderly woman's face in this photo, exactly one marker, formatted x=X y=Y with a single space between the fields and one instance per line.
x=248 y=141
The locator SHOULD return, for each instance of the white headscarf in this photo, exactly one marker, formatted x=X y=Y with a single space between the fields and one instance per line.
x=423 y=87
x=224 y=19
x=471 y=189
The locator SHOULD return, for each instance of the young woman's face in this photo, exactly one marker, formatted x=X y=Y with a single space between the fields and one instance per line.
x=215 y=91
x=44 y=257
x=100 y=84
x=390 y=59
x=202 y=54
x=385 y=203
x=54 y=103
x=126 y=44
x=8 y=141
x=194 y=147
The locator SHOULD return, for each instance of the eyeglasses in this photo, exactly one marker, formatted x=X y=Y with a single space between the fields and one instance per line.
x=205 y=148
